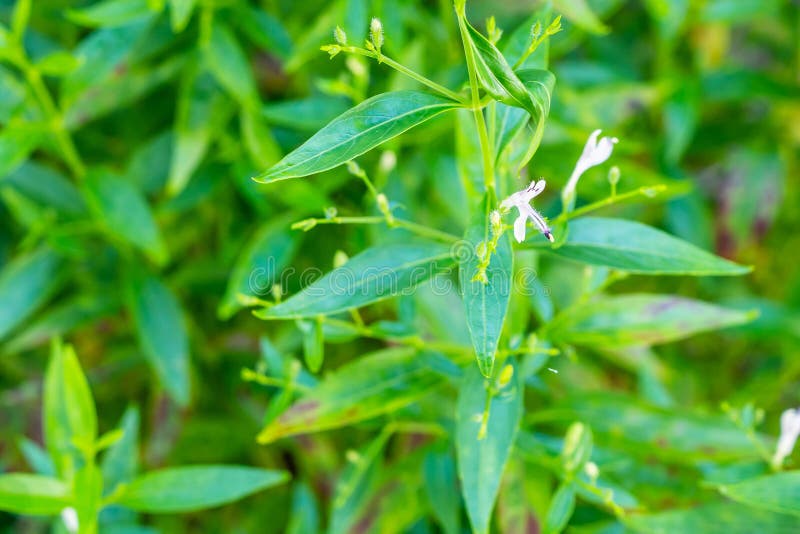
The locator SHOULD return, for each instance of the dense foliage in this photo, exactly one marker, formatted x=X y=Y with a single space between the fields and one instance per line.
x=368 y=266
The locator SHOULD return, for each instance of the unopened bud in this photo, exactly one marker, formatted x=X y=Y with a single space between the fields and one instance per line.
x=304 y=225
x=497 y=223
x=354 y=168
x=536 y=30
x=481 y=250
x=277 y=292
x=383 y=206
x=340 y=36
x=339 y=259
x=591 y=470
x=376 y=33
x=505 y=376
x=331 y=212
x=352 y=456
x=613 y=175
x=388 y=161
x=332 y=50
x=555 y=26
x=355 y=65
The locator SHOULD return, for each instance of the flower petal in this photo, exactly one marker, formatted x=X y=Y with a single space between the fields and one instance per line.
x=519 y=227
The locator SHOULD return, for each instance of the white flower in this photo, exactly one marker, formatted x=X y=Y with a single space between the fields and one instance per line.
x=594 y=153
x=790 y=430
x=70 y=518
x=521 y=200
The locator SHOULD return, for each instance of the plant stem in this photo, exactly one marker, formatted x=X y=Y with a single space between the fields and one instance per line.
x=383 y=58
x=55 y=119
x=418 y=229
x=649 y=191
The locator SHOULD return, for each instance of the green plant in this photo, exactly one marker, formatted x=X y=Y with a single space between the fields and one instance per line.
x=70 y=482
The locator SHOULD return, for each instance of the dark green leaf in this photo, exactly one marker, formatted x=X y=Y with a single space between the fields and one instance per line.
x=716 y=518
x=25 y=284
x=228 y=63
x=358 y=130
x=638 y=248
x=484 y=440
x=561 y=507
x=121 y=460
x=111 y=13
x=162 y=333
x=379 y=383
x=639 y=319
x=374 y=274
x=124 y=212
x=187 y=489
x=485 y=303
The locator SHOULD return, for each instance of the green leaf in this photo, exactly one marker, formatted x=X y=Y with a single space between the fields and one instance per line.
x=258 y=140
x=70 y=418
x=124 y=212
x=16 y=144
x=495 y=74
x=25 y=284
x=180 y=12
x=121 y=460
x=358 y=130
x=188 y=489
x=715 y=518
x=259 y=266
x=379 y=383
x=313 y=344
x=264 y=30
x=517 y=43
x=561 y=507
x=777 y=493
x=111 y=13
x=305 y=514
x=229 y=65
x=374 y=274
x=20 y=17
x=577 y=448
x=441 y=488
x=639 y=319
x=485 y=303
x=21 y=493
x=637 y=248
x=162 y=333
x=580 y=13
x=58 y=63
x=308 y=114
x=202 y=111
x=37 y=457
x=488 y=415
x=47 y=187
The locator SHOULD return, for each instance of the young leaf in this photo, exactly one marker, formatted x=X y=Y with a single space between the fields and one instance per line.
x=162 y=333
x=639 y=319
x=259 y=266
x=561 y=508
x=125 y=213
x=379 y=383
x=487 y=419
x=180 y=11
x=228 y=63
x=714 y=518
x=188 y=489
x=16 y=144
x=121 y=460
x=778 y=493
x=70 y=418
x=358 y=130
x=637 y=248
x=21 y=493
x=485 y=302
x=25 y=284
x=313 y=344
x=374 y=274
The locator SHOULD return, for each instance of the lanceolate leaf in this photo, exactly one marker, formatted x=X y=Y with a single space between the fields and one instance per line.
x=21 y=493
x=483 y=451
x=374 y=274
x=485 y=303
x=714 y=518
x=162 y=333
x=358 y=130
x=25 y=283
x=778 y=493
x=379 y=383
x=639 y=319
x=187 y=489
x=637 y=248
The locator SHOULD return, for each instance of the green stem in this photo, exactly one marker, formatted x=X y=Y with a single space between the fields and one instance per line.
x=418 y=229
x=649 y=191
x=383 y=58
x=55 y=119
x=486 y=147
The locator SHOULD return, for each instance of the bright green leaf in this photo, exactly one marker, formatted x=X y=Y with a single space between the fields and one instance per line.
x=21 y=493
x=777 y=493
x=180 y=11
x=715 y=518
x=188 y=489
x=111 y=13
x=229 y=65
x=637 y=248
x=358 y=130
x=375 y=274
x=580 y=13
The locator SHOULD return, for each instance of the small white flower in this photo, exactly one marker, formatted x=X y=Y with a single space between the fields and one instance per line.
x=790 y=430
x=594 y=153
x=70 y=518
x=521 y=200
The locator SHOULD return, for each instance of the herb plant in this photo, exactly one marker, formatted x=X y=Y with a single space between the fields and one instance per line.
x=398 y=266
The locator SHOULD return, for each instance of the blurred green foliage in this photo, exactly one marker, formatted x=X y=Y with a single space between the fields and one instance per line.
x=131 y=227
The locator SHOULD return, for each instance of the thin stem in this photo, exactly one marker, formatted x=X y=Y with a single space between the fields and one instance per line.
x=383 y=58
x=483 y=136
x=649 y=191
x=55 y=118
x=418 y=229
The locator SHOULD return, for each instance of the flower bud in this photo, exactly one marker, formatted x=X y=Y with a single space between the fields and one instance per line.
x=536 y=31
x=304 y=225
x=339 y=259
x=613 y=175
x=331 y=212
x=388 y=161
x=505 y=376
x=555 y=26
x=376 y=33
x=340 y=36
x=496 y=222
